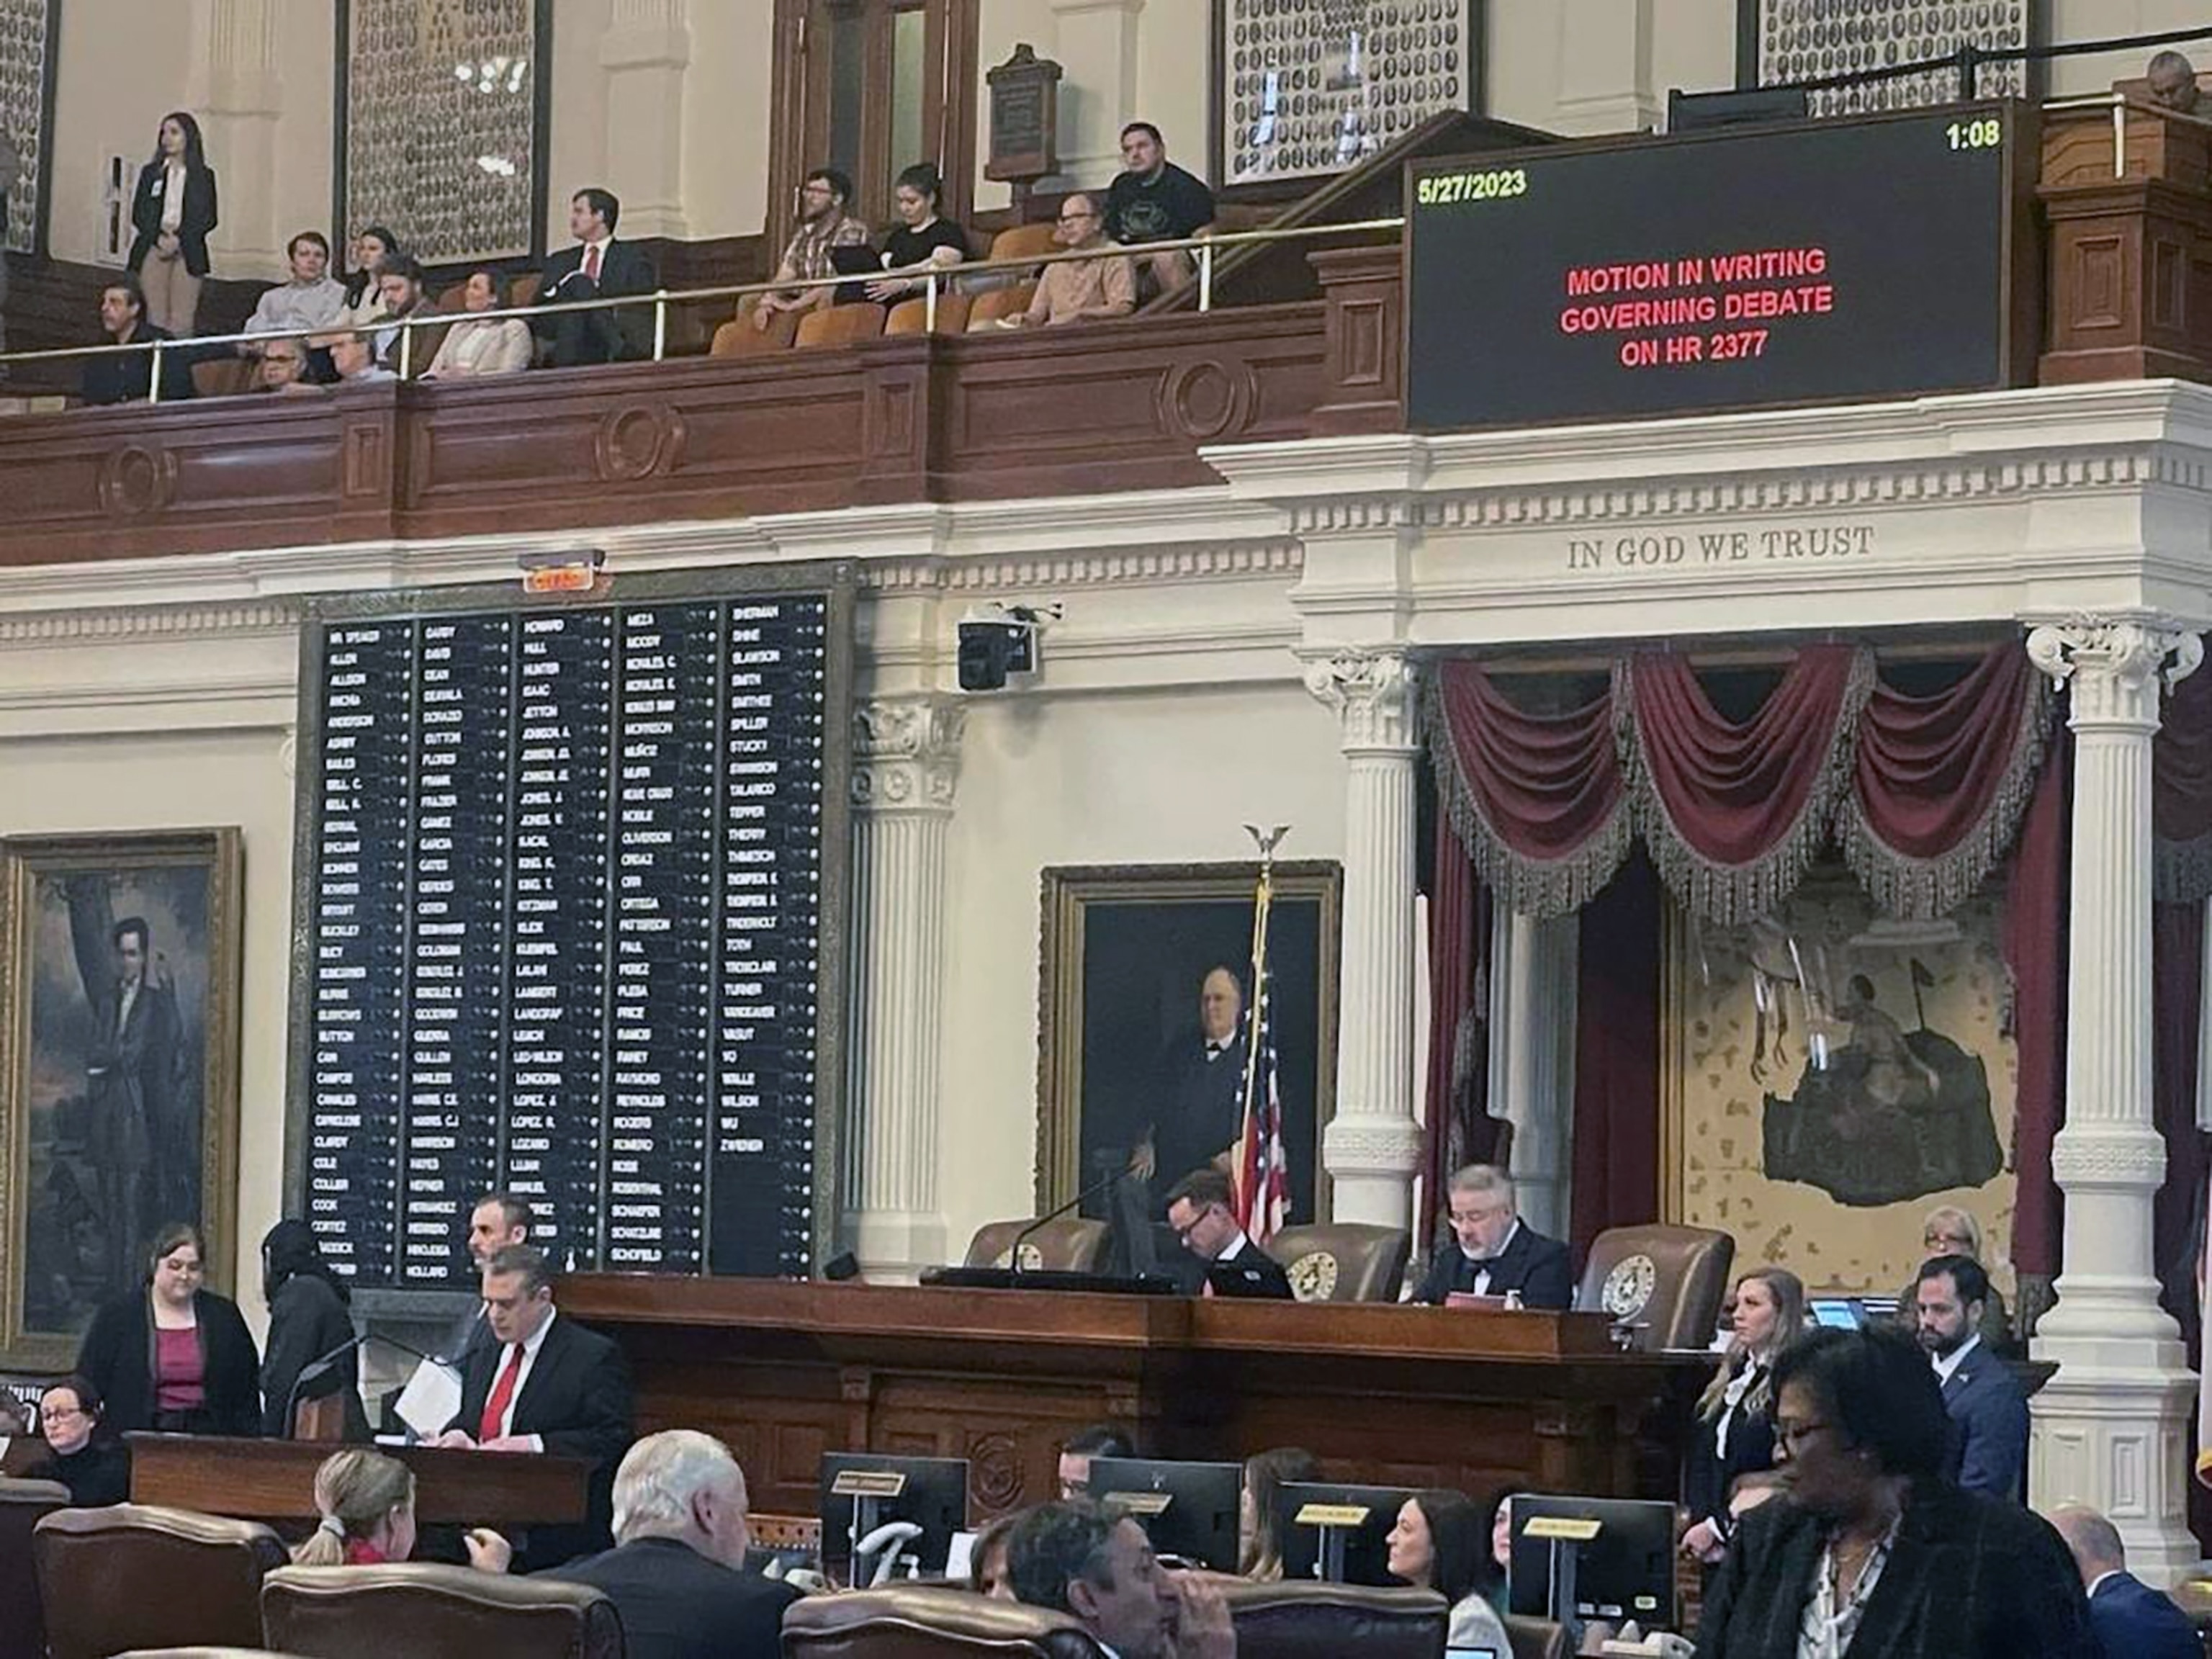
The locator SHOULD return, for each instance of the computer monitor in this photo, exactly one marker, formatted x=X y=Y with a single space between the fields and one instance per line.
x=1187 y=1509
x=930 y=1492
x=1626 y=1572
x=1354 y=1548
x=1851 y=1313
x=1686 y=112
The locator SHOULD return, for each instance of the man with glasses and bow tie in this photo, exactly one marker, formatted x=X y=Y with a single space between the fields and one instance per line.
x=597 y=268
x=1494 y=1251
x=545 y=1384
x=1197 y=1111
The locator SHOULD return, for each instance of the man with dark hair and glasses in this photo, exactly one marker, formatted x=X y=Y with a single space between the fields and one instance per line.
x=1869 y=1551
x=1073 y=1557
x=824 y=224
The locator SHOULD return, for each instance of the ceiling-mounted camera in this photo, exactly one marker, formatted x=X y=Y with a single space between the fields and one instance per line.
x=997 y=641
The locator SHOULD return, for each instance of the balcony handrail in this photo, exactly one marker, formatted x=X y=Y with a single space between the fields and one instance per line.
x=2119 y=103
x=661 y=299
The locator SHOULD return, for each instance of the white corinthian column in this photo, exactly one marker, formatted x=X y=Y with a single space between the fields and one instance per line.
x=2111 y=1427
x=1373 y=1144
x=906 y=758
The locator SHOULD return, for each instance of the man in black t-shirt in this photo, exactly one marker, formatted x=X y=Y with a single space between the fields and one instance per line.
x=1153 y=200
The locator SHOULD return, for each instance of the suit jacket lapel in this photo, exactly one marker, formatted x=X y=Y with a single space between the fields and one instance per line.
x=1789 y=1586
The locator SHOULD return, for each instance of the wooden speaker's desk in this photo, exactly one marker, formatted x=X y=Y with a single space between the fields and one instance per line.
x=1475 y=1400
x=274 y=1480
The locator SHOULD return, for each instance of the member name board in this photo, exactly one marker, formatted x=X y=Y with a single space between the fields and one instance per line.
x=1825 y=262
x=570 y=876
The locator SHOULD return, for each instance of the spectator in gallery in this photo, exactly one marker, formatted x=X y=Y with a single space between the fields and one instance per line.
x=175 y=1356
x=1988 y=1408
x=478 y=346
x=81 y=1452
x=1259 y=1528
x=1099 y=1440
x=676 y=1574
x=1734 y=1431
x=1072 y=1556
x=309 y=1319
x=1495 y=1252
x=598 y=267
x=2171 y=83
x=353 y=360
x=1202 y=1212
x=2129 y=1619
x=400 y=282
x=126 y=377
x=923 y=241
x=365 y=1509
x=1153 y=200
x=1950 y=1231
x=312 y=298
x=282 y=368
x=173 y=208
x=1080 y=290
x=1438 y=1543
x=1875 y=1552
x=364 y=301
x=824 y=224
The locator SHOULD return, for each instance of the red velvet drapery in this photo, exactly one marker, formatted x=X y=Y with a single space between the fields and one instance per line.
x=2034 y=946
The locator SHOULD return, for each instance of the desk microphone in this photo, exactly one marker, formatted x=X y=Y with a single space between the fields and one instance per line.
x=320 y=1366
x=1014 y=1254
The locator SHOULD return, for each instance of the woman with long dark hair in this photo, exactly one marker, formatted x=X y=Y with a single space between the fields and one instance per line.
x=308 y=1319
x=921 y=242
x=175 y=1356
x=1441 y=1542
x=173 y=210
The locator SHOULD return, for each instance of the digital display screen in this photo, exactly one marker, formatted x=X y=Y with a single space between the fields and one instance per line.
x=1828 y=262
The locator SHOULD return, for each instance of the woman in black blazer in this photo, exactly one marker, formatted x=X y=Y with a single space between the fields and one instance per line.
x=307 y=1320
x=175 y=1356
x=174 y=209
x=1734 y=1431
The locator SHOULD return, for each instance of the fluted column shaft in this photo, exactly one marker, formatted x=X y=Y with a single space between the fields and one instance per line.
x=2110 y=1427
x=237 y=93
x=1533 y=1012
x=646 y=52
x=905 y=766
x=1373 y=1144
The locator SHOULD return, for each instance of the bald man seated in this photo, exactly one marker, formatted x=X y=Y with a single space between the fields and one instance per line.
x=2129 y=1619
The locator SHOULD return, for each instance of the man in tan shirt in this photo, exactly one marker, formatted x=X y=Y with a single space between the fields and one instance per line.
x=1082 y=290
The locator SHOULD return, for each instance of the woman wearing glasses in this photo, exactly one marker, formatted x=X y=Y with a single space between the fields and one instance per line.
x=91 y=1463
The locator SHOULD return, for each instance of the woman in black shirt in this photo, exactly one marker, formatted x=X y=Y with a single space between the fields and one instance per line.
x=92 y=1464
x=921 y=242
x=309 y=1320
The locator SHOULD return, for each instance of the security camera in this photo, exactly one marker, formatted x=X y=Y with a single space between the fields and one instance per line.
x=997 y=641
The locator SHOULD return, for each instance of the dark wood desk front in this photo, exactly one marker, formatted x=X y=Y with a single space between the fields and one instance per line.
x=1474 y=1400
x=274 y=1480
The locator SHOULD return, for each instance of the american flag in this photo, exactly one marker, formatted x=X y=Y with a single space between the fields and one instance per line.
x=1263 y=1182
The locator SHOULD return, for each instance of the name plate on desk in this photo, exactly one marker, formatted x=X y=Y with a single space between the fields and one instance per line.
x=1567 y=1528
x=1331 y=1515
x=1147 y=1503
x=868 y=1483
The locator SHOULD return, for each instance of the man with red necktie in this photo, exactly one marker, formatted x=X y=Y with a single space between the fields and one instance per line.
x=543 y=1383
x=598 y=267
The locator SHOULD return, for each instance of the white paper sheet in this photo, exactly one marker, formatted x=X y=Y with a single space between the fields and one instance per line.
x=431 y=1397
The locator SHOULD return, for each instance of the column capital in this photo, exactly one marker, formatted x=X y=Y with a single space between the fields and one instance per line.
x=1354 y=1146
x=906 y=753
x=2114 y=666
x=1373 y=693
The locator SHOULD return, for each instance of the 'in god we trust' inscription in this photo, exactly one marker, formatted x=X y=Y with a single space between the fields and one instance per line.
x=1769 y=545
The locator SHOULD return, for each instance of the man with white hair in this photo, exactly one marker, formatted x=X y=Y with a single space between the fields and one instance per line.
x=676 y=1573
x=2130 y=1618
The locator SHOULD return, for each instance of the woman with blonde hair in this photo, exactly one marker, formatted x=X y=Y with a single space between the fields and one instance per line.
x=1735 y=1435
x=365 y=1506
x=1260 y=1545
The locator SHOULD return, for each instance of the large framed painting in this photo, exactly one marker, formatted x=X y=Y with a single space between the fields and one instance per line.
x=1142 y=1009
x=118 y=1069
x=1831 y=1075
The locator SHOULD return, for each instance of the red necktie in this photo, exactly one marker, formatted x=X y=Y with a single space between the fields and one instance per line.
x=591 y=263
x=494 y=1411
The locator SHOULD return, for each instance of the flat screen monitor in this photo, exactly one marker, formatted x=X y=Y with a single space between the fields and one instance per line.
x=1851 y=1313
x=1187 y=1509
x=933 y=1493
x=1626 y=1572
x=1366 y=1549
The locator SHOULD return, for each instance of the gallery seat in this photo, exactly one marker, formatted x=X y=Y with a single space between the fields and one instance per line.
x=1535 y=1638
x=1071 y=1244
x=922 y=1623
x=1343 y=1261
x=137 y=1576
x=1664 y=1284
x=420 y=1606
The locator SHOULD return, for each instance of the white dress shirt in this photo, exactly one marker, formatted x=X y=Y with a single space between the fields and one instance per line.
x=292 y=306
x=1230 y=1251
x=531 y=1345
x=173 y=197
x=1947 y=1363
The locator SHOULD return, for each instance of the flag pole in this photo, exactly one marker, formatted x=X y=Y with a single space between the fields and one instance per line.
x=1262 y=901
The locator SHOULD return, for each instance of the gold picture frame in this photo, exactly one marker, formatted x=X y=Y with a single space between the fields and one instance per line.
x=118 y=1098
x=1123 y=949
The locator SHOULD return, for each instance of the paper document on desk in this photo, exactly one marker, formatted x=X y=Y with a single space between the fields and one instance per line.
x=431 y=1399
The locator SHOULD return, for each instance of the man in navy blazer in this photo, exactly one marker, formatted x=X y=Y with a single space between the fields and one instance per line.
x=597 y=268
x=1983 y=1399
x=1495 y=1251
x=2130 y=1618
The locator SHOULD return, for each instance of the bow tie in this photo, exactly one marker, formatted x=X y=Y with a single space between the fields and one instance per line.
x=1213 y=1049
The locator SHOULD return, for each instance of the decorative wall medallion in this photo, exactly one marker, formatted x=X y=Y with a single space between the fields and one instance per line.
x=1313 y=1276
x=1629 y=1286
x=135 y=481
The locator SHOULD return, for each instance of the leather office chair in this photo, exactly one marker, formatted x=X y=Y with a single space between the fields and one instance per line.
x=1665 y=1283
x=1343 y=1261
x=1536 y=1638
x=922 y=1623
x=1071 y=1244
x=23 y=1504
x=422 y=1607
x=1299 y=1620
x=136 y=1576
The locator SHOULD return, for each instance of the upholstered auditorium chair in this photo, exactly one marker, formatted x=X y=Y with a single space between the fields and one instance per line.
x=741 y=339
x=1071 y=1244
x=1303 y=1619
x=1664 y=1284
x=1536 y=1638
x=999 y=302
x=1343 y=1261
x=919 y=1622
x=909 y=316
x=136 y=1576
x=23 y=1503
x=840 y=325
x=422 y=1607
x=1024 y=242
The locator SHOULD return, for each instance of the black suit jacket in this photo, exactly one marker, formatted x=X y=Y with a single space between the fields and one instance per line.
x=1969 y=1577
x=1532 y=1264
x=674 y=1603
x=1190 y=1272
x=2131 y=1621
x=306 y=1320
x=1989 y=1427
x=127 y=377
x=577 y=1400
x=592 y=337
x=199 y=216
x=1709 y=1473
x=117 y=1358
x=1198 y=1108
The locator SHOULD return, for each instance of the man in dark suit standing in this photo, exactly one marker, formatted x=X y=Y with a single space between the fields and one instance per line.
x=597 y=268
x=1495 y=1251
x=677 y=1576
x=544 y=1384
x=2131 y=1620
x=499 y=1220
x=1201 y=1210
x=1983 y=1400
x=137 y=1075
